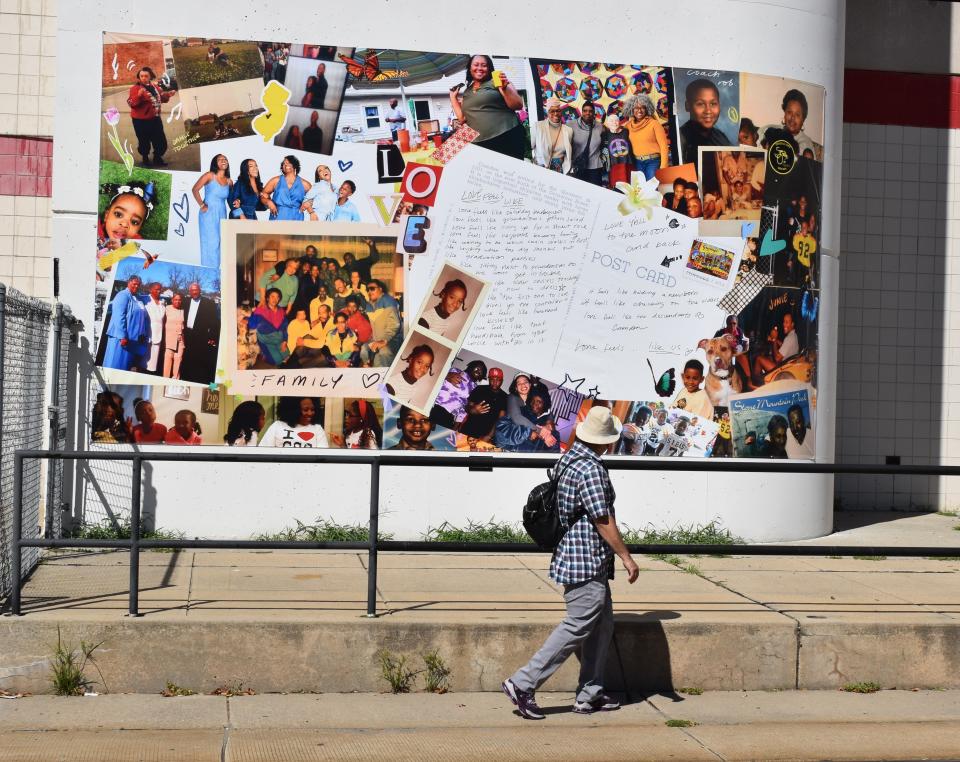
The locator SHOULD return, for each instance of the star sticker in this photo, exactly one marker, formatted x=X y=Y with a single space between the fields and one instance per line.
x=639 y=195
x=575 y=383
x=593 y=392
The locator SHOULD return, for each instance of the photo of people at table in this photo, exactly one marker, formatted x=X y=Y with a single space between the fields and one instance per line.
x=163 y=320
x=319 y=301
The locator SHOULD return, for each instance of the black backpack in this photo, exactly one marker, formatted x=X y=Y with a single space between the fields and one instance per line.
x=541 y=519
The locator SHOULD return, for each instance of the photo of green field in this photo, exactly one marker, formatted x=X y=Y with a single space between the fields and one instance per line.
x=226 y=128
x=239 y=60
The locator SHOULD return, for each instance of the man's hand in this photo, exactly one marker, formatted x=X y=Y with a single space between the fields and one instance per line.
x=633 y=571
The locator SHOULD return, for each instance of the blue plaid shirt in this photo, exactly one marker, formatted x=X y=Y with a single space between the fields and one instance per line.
x=584 y=493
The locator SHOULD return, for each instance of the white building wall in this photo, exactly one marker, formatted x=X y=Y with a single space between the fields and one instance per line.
x=229 y=501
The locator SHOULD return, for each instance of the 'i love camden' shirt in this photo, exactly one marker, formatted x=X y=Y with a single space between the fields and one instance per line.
x=281 y=435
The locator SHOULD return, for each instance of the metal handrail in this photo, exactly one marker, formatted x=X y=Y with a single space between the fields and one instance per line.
x=472 y=462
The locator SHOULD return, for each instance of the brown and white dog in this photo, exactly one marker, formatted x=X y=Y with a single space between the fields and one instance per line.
x=722 y=379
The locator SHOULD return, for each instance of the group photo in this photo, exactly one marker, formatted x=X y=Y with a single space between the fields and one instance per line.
x=320 y=300
x=489 y=405
x=162 y=320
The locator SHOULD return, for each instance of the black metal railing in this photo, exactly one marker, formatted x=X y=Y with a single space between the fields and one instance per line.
x=473 y=463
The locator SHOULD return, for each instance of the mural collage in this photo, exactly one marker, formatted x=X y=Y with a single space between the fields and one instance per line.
x=304 y=245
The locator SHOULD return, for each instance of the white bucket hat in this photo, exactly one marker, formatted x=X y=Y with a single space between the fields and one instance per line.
x=600 y=426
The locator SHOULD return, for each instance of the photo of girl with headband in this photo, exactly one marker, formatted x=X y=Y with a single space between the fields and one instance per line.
x=130 y=213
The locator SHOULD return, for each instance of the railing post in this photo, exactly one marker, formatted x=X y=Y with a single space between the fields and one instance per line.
x=16 y=530
x=135 y=538
x=374 y=532
x=53 y=413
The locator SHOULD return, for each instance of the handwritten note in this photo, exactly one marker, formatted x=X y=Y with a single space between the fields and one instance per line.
x=576 y=287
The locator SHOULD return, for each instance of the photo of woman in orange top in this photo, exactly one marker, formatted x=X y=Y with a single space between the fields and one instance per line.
x=647 y=138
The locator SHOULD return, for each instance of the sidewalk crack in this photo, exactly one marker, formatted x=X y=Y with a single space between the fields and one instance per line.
x=795 y=620
x=193 y=565
x=226 y=734
x=685 y=731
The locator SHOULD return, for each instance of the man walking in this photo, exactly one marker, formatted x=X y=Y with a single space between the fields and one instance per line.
x=583 y=564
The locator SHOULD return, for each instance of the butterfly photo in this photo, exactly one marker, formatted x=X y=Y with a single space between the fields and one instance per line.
x=368 y=68
x=667 y=382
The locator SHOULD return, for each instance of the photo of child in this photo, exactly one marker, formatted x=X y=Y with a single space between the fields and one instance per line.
x=406 y=429
x=692 y=398
x=132 y=206
x=416 y=375
x=705 y=101
x=455 y=297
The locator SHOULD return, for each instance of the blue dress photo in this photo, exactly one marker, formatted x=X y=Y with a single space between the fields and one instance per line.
x=215 y=197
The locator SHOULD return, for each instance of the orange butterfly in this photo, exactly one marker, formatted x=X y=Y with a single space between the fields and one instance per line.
x=369 y=68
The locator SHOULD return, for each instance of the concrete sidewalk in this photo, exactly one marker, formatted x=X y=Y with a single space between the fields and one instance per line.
x=292 y=620
x=795 y=725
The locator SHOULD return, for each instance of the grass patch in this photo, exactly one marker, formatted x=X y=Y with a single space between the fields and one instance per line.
x=692 y=569
x=322 y=530
x=691 y=691
x=474 y=531
x=107 y=530
x=870 y=558
x=862 y=687
x=68 y=667
x=233 y=689
x=394 y=670
x=173 y=689
x=155 y=226
x=437 y=675
x=193 y=69
x=711 y=533
x=952 y=514
x=667 y=558
x=679 y=723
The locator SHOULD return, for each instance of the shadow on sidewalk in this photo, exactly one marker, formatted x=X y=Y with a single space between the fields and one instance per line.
x=639 y=661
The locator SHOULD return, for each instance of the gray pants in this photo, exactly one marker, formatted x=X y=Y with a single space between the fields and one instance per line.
x=588 y=626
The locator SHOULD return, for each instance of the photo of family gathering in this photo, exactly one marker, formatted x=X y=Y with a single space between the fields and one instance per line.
x=317 y=301
x=185 y=415
x=163 y=320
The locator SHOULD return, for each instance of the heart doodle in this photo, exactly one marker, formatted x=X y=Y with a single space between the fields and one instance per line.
x=369 y=379
x=768 y=246
x=180 y=230
x=344 y=165
x=182 y=208
x=306 y=436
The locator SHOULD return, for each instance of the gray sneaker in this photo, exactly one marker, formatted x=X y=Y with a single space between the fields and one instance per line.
x=603 y=703
x=525 y=702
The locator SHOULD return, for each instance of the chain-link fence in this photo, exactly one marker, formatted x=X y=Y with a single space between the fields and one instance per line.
x=30 y=330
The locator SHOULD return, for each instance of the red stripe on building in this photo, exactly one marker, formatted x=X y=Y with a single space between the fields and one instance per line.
x=26 y=166
x=910 y=100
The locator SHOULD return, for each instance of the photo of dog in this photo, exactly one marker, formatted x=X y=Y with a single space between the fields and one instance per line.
x=722 y=379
